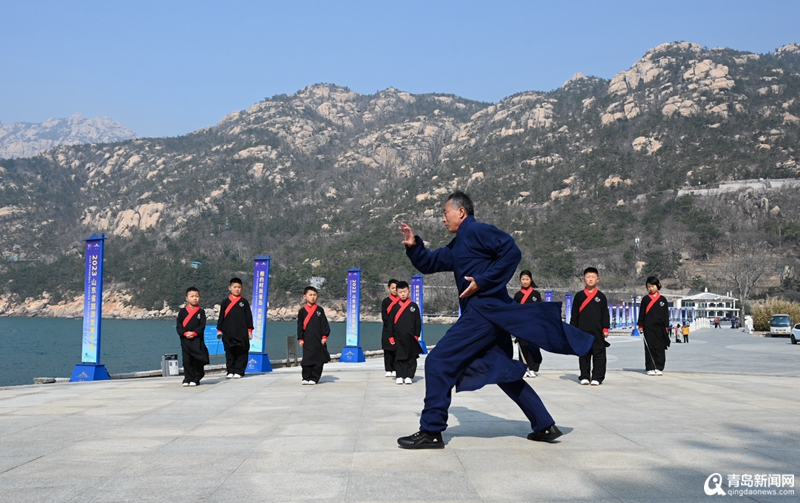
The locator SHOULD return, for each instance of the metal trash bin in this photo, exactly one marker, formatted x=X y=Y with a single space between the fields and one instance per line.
x=169 y=365
x=291 y=350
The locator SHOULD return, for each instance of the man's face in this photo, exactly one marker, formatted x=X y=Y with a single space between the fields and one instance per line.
x=393 y=289
x=236 y=289
x=311 y=297
x=403 y=294
x=591 y=280
x=452 y=217
x=193 y=298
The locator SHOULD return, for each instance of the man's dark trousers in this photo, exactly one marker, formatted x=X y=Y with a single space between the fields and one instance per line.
x=471 y=336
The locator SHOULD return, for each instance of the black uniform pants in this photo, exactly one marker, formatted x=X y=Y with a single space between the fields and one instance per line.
x=593 y=363
x=658 y=359
x=235 y=358
x=532 y=355
x=312 y=372
x=193 y=369
x=388 y=360
x=406 y=368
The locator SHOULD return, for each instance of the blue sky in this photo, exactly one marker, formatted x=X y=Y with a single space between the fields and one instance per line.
x=165 y=68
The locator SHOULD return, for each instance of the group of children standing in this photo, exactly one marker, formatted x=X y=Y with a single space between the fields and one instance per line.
x=234 y=327
x=402 y=324
x=590 y=314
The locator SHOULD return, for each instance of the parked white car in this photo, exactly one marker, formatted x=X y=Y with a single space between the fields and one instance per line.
x=795 y=334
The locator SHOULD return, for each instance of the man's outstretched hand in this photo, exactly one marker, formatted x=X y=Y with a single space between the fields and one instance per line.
x=472 y=289
x=408 y=235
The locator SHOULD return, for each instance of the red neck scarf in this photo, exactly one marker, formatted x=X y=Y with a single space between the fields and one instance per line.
x=653 y=299
x=395 y=299
x=589 y=297
x=310 y=310
x=526 y=293
x=233 y=303
x=192 y=311
x=403 y=306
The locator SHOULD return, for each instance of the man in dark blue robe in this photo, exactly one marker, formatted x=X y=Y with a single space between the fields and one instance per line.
x=477 y=349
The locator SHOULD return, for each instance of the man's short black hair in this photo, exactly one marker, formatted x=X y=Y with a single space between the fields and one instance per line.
x=309 y=289
x=192 y=289
x=530 y=275
x=590 y=269
x=402 y=284
x=236 y=281
x=653 y=280
x=391 y=282
x=460 y=199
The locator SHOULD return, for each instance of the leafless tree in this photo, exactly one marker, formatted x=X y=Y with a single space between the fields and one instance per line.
x=745 y=271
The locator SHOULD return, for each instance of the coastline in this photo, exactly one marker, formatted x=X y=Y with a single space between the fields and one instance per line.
x=116 y=306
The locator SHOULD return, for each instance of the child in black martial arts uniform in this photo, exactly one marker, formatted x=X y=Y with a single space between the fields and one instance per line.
x=389 y=351
x=653 y=323
x=235 y=328
x=527 y=294
x=191 y=325
x=312 y=335
x=406 y=323
x=590 y=314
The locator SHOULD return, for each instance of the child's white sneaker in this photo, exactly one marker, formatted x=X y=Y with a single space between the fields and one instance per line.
x=584 y=382
x=304 y=382
x=399 y=380
x=185 y=385
x=659 y=373
x=651 y=372
x=408 y=380
x=237 y=376
x=388 y=374
x=394 y=373
x=595 y=383
x=531 y=373
x=192 y=384
x=229 y=376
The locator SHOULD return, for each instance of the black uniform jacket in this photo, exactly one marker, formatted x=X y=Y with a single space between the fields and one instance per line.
x=191 y=320
x=314 y=351
x=405 y=327
x=387 y=304
x=236 y=322
x=593 y=318
x=655 y=322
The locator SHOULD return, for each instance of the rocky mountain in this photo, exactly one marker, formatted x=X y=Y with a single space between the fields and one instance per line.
x=23 y=139
x=320 y=179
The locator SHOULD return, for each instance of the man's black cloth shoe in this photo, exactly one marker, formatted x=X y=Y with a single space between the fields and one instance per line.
x=545 y=435
x=422 y=440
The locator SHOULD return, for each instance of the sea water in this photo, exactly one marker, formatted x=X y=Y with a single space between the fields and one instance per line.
x=51 y=347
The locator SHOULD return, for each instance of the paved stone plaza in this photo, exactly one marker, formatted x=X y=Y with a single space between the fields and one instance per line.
x=728 y=403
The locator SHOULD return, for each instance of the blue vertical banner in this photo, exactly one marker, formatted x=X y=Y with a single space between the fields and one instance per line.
x=635 y=313
x=567 y=307
x=90 y=368
x=418 y=296
x=611 y=317
x=352 y=352
x=548 y=296
x=616 y=316
x=258 y=360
